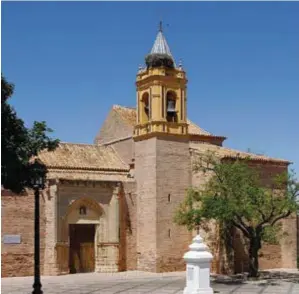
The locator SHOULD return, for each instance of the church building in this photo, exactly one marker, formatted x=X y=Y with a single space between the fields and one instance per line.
x=109 y=206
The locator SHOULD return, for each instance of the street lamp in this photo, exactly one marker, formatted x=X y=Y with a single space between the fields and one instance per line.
x=38 y=181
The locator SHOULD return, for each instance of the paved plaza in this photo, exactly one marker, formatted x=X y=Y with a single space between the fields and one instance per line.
x=138 y=282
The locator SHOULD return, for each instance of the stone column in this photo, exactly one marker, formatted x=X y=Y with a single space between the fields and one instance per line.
x=112 y=247
x=50 y=195
x=198 y=261
x=114 y=216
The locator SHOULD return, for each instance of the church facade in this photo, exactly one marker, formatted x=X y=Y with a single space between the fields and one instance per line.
x=109 y=206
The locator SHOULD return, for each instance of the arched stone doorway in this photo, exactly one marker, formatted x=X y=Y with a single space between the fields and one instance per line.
x=83 y=227
x=97 y=217
x=83 y=220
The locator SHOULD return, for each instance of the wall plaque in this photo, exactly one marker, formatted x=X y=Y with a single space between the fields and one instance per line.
x=190 y=273
x=12 y=239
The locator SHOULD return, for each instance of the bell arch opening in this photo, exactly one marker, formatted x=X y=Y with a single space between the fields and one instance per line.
x=145 y=107
x=171 y=112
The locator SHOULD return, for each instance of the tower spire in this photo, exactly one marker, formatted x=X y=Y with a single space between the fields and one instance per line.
x=160 y=54
x=160 y=45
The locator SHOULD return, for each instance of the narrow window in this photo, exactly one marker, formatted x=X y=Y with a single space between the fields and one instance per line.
x=168 y=233
x=82 y=210
x=168 y=197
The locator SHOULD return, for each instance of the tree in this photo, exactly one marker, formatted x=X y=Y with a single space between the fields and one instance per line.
x=235 y=196
x=20 y=144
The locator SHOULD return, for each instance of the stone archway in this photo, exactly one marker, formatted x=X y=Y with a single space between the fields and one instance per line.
x=81 y=212
x=104 y=217
x=94 y=214
x=84 y=222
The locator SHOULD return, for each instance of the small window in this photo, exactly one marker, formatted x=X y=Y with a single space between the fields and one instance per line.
x=168 y=233
x=82 y=210
x=168 y=197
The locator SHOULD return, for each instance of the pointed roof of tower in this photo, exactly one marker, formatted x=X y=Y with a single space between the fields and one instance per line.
x=160 y=53
x=160 y=45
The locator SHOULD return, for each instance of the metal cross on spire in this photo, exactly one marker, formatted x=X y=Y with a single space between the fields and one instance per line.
x=160 y=26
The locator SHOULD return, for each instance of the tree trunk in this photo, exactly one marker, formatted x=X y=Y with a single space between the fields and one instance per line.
x=254 y=247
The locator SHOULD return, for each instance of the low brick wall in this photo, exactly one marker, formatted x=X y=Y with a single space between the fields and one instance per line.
x=18 y=219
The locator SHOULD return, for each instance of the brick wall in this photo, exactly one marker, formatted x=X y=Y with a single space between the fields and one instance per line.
x=162 y=168
x=270 y=256
x=173 y=178
x=283 y=255
x=145 y=174
x=18 y=219
x=209 y=232
x=289 y=243
x=287 y=249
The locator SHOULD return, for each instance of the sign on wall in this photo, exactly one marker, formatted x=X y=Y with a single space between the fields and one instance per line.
x=11 y=239
x=190 y=272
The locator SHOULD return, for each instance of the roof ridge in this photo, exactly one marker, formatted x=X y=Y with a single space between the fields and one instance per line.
x=255 y=154
x=117 y=106
x=80 y=144
x=252 y=156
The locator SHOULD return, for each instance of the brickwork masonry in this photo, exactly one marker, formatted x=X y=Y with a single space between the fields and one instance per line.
x=163 y=174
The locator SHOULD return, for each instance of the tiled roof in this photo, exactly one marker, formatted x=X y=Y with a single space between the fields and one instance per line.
x=87 y=175
x=196 y=130
x=224 y=152
x=128 y=114
x=83 y=157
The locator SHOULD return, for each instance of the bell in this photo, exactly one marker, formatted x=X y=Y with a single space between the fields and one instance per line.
x=170 y=106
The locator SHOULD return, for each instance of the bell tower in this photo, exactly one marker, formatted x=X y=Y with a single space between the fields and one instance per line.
x=162 y=160
x=161 y=92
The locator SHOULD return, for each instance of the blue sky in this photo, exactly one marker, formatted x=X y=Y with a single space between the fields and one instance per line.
x=71 y=61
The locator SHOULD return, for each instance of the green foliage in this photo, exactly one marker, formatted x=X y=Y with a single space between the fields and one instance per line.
x=272 y=234
x=235 y=195
x=20 y=144
x=188 y=214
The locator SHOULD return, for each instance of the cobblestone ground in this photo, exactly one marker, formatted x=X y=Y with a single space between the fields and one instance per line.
x=137 y=282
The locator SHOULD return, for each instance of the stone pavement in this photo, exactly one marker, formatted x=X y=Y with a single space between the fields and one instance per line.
x=138 y=282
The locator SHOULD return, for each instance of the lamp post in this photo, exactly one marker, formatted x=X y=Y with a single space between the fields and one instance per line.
x=37 y=183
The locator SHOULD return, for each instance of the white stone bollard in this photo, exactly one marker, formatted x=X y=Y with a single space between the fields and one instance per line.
x=198 y=261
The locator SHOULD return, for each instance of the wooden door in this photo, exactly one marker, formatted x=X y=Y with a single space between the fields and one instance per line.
x=82 y=255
